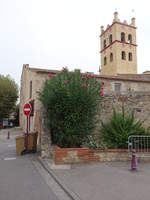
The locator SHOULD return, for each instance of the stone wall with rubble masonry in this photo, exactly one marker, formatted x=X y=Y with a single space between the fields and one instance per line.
x=137 y=101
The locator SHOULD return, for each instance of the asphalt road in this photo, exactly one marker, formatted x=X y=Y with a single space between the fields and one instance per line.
x=19 y=178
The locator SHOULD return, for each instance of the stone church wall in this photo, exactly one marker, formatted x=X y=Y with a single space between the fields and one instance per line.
x=137 y=101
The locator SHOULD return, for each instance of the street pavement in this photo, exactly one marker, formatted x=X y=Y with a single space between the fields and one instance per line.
x=19 y=178
x=104 y=181
x=24 y=178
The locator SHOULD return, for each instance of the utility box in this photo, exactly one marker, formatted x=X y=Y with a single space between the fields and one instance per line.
x=20 y=145
x=32 y=142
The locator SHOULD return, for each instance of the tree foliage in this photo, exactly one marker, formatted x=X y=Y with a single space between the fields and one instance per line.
x=16 y=116
x=8 y=96
x=71 y=102
x=120 y=127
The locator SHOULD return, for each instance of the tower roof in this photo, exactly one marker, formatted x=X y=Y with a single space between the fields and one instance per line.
x=116 y=20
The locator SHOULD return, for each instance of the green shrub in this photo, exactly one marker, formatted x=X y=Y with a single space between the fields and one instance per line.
x=71 y=103
x=121 y=125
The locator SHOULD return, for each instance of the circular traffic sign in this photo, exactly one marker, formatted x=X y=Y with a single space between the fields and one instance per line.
x=27 y=109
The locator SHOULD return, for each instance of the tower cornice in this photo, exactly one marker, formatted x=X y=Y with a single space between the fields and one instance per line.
x=135 y=45
x=119 y=24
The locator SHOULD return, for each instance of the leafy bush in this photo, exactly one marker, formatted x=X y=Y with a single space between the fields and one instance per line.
x=120 y=127
x=71 y=103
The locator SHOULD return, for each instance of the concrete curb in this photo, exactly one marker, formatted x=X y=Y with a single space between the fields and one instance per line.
x=68 y=191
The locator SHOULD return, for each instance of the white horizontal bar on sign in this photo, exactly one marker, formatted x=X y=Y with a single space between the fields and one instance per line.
x=27 y=109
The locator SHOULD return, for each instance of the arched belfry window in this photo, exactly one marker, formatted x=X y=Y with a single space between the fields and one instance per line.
x=104 y=43
x=130 y=56
x=110 y=39
x=122 y=37
x=123 y=55
x=111 y=57
x=105 y=60
x=130 y=38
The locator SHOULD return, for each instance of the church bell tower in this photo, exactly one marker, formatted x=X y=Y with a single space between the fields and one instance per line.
x=118 y=48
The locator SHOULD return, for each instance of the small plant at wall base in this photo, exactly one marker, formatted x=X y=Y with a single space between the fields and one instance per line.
x=121 y=125
x=94 y=142
x=71 y=102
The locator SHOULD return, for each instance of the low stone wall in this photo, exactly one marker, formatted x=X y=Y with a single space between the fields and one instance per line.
x=82 y=155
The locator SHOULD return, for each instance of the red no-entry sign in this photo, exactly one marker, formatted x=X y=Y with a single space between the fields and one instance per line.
x=27 y=109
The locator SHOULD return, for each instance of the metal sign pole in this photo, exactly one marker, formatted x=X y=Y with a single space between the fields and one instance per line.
x=27 y=135
x=27 y=111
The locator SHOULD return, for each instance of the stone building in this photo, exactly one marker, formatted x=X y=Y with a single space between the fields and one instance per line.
x=33 y=79
x=122 y=84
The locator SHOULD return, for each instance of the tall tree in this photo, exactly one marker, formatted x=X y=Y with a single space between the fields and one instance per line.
x=8 y=96
x=16 y=115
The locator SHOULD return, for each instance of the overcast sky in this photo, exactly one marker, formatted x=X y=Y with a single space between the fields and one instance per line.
x=56 y=33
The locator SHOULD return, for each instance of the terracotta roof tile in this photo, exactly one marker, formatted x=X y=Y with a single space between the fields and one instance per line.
x=39 y=70
x=121 y=77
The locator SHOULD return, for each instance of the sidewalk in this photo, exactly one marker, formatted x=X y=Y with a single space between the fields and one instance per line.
x=103 y=181
x=16 y=131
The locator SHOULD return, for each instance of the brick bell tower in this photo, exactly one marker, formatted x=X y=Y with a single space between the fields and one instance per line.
x=118 y=48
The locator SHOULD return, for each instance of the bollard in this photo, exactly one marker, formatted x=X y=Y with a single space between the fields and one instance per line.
x=8 y=137
x=133 y=160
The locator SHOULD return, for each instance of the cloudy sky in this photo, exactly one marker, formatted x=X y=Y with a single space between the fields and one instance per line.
x=56 y=33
